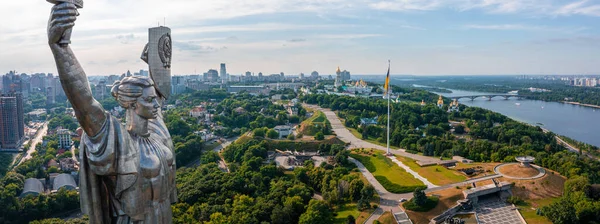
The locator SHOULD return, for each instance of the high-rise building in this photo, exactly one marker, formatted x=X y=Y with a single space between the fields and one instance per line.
x=64 y=139
x=260 y=76
x=12 y=126
x=223 y=74
x=213 y=75
x=345 y=75
x=248 y=74
x=314 y=75
x=144 y=73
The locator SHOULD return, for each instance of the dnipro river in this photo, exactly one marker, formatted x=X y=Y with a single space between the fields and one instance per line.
x=577 y=122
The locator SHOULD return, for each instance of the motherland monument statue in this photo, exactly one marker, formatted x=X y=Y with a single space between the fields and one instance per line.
x=127 y=171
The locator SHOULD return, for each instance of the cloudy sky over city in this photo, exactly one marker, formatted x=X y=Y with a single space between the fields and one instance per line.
x=420 y=37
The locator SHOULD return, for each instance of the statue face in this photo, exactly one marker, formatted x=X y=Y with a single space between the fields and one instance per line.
x=147 y=104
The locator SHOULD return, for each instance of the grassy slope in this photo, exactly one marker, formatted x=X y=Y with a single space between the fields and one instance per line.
x=529 y=214
x=386 y=218
x=307 y=127
x=390 y=175
x=370 y=140
x=438 y=175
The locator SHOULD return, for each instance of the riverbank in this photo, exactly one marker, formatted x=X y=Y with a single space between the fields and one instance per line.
x=582 y=104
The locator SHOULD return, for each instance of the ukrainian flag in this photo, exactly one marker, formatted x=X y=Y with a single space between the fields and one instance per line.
x=386 y=86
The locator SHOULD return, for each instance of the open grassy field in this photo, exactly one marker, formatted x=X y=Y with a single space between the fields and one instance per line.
x=343 y=211
x=437 y=174
x=390 y=175
x=314 y=124
x=386 y=218
x=528 y=211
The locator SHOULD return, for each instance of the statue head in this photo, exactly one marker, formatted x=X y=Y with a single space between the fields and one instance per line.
x=137 y=93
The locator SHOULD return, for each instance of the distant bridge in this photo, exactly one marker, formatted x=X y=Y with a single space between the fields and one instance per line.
x=487 y=96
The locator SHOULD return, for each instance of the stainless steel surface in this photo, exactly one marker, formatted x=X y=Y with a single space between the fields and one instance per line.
x=157 y=53
x=66 y=36
x=127 y=171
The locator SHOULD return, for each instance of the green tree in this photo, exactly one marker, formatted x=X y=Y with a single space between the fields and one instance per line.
x=419 y=198
x=319 y=136
x=317 y=213
x=561 y=212
x=350 y=220
x=259 y=132
x=272 y=134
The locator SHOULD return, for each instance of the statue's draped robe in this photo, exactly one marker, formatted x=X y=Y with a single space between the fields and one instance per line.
x=125 y=178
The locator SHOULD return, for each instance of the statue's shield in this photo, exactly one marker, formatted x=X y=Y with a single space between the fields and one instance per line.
x=158 y=56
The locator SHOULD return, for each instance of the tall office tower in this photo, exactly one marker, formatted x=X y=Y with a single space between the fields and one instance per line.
x=213 y=75
x=144 y=72
x=223 y=73
x=346 y=75
x=314 y=75
x=260 y=76
x=12 y=127
x=248 y=74
x=50 y=96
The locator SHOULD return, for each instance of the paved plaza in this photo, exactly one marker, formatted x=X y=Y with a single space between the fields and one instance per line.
x=491 y=210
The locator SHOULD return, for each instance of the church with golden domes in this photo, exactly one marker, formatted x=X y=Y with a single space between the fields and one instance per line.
x=453 y=107
x=338 y=78
x=440 y=102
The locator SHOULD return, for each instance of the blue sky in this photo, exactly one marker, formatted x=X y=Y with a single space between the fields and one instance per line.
x=420 y=37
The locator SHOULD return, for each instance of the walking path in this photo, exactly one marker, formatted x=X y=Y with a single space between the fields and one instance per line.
x=541 y=173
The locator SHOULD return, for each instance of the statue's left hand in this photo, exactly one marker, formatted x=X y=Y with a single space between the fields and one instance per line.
x=62 y=18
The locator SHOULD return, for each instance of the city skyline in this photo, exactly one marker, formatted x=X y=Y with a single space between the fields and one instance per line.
x=429 y=37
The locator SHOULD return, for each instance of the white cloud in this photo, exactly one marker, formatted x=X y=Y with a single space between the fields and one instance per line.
x=502 y=27
x=212 y=31
x=347 y=36
x=581 y=7
x=522 y=27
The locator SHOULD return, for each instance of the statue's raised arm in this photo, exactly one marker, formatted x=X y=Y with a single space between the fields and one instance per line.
x=89 y=112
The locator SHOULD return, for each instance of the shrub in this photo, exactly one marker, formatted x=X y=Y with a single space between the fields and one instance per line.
x=319 y=136
x=429 y=204
x=397 y=189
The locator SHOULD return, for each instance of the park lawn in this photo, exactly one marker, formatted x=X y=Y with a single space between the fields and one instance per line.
x=370 y=140
x=309 y=126
x=528 y=211
x=386 y=218
x=437 y=174
x=343 y=211
x=393 y=178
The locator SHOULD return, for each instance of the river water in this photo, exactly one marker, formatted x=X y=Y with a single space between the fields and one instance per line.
x=577 y=122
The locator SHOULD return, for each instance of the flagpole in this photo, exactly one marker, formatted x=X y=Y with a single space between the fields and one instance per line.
x=388 y=114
